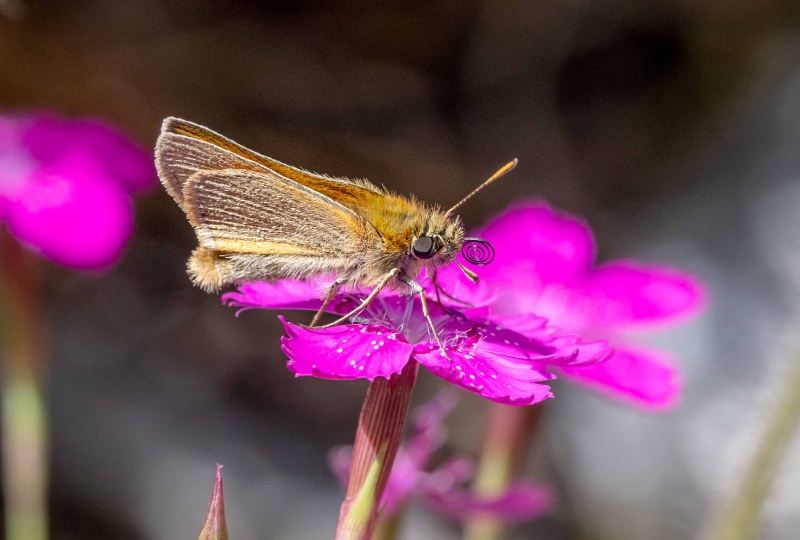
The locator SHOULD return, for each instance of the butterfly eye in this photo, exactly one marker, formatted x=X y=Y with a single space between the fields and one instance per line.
x=423 y=247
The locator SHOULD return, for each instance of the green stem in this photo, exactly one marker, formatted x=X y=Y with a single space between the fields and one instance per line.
x=740 y=518
x=23 y=409
x=388 y=528
x=380 y=428
x=504 y=449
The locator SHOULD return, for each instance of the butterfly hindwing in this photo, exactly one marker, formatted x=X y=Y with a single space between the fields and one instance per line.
x=236 y=211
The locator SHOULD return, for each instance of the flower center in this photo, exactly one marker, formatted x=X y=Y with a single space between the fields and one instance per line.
x=403 y=315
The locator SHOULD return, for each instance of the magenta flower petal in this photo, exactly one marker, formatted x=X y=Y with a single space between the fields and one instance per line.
x=534 y=239
x=5 y=206
x=522 y=501
x=576 y=353
x=527 y=324
x=50 y=139
x=491 y=361
x=283 y=294
x=73 y=214
x=643 y=377
x=626 y=294
x=537 y=251
x=345 y=352
x=290 y=294
x=499 y=379
x=454 y=283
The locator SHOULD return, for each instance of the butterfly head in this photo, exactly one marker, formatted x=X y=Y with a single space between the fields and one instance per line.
x=436 y=243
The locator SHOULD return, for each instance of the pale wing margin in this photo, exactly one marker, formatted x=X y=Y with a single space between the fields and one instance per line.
x=235 y=211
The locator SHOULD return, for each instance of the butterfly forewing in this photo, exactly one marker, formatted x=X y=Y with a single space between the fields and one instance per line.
x=185 y=148
x=179 y=157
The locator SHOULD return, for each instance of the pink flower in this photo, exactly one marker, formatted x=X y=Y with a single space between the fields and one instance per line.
x=497 y=363
x=443 y=490
x=544 y=263
x=66 y=187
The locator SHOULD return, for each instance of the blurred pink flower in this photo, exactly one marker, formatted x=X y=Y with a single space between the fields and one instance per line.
x=66 y=187
x=544 y=264
x=497 y=363
x=443 y=490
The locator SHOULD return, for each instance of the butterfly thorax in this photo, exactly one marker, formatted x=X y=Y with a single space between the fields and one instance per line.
x=400 y=221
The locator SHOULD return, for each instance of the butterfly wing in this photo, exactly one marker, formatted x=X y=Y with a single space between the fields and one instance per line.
x=184 y=148
x=241 y=211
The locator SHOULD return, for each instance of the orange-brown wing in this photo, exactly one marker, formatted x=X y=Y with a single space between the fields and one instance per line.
x=184 y=148
x=242 y=211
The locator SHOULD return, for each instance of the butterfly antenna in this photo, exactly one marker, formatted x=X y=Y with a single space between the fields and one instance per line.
x=503 y=170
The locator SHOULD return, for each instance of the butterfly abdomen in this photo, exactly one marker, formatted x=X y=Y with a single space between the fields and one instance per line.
x=207 y=270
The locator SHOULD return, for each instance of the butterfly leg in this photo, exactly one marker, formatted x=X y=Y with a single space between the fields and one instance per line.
x=367 y=301
x=327 y=300
x=440 y=291
x=417 y=289
x=427 y=314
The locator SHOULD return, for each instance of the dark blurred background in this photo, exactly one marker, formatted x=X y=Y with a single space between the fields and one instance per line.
x=672 y=126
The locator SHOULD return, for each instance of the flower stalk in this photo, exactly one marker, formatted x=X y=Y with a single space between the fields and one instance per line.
x=23 y=409
x=505 y=444
x=740 y=518
x=380 y=429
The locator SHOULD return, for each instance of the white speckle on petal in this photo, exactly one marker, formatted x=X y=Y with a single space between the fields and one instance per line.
x=376 y=347
x=506 y=341
x=361 y=367
x=471 y=376
x=373 y=342
x=368 y=354
x=339 y=350
x=381 y=343
x=494 y=376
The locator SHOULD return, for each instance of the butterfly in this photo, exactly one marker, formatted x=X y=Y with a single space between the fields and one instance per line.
x=258 y=219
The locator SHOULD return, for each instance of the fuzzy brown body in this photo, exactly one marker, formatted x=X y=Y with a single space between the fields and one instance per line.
x=260 y=219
